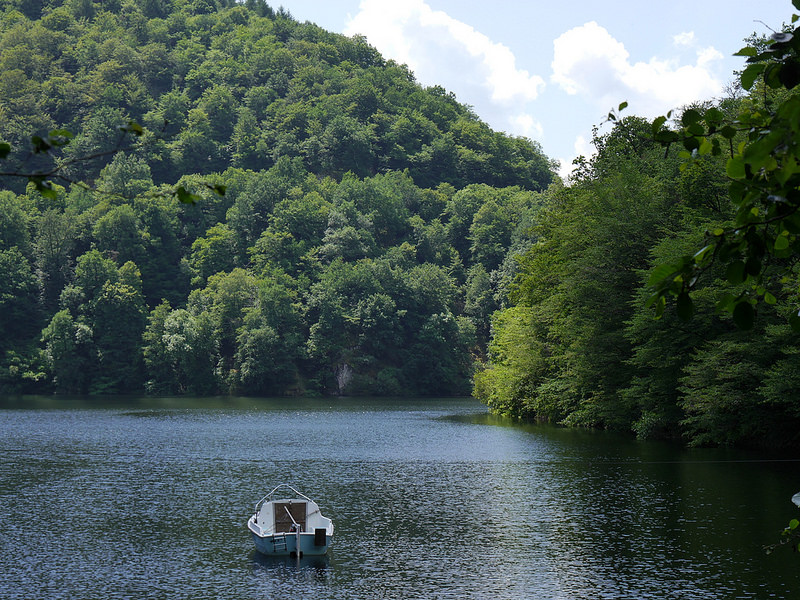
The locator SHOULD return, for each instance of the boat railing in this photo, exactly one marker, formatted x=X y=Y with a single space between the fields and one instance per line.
x=278 y=487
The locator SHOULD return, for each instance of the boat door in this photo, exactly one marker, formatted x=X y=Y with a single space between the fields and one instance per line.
x=284 y=522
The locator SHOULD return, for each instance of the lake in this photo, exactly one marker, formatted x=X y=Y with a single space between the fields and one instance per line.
x=149 y=497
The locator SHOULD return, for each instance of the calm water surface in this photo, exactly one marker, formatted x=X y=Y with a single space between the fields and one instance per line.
x=148 y=498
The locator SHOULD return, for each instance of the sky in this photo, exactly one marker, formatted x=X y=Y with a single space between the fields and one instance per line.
x=551 y=71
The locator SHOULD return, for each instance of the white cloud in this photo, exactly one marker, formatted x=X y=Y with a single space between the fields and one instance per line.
x=584 y=147
x=684 y=39
x=589 y=62
x=440 y=49
x=706 y=56
x=524 y=124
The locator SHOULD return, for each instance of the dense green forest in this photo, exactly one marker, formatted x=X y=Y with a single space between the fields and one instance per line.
x=374 y=237
x=360 y=246
x=712 y=222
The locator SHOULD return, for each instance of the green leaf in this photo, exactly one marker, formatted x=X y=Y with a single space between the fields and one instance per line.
x=665 y=136
x=753 y=266
x=725 y=304
x=794 y=523
x=696 y=129
x=735 y=168
x=772 y=76
x=659 y=302
x=622 y=106
x=701 y=256
x=660 y=273
x=789 y=167
x=737 y=192
x=658 y=123
x=39 y=145
x=4 y=149
x=691 y=143
x=770 y=299
x=750 y=74
x=684 y=306
x=705 y=146
x=758 y=152
x=789 y=74
x=735 y=272
x=690 y=117
x=747 y=51
x=714 y=116
x=728 y=132
x=729 y=250
x=743 y=315
x=792 y=223
x=794 y=323
x=781 y=242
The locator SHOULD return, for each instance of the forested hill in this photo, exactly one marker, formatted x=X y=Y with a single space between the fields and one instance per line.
x=231 y=85
x=366 y=234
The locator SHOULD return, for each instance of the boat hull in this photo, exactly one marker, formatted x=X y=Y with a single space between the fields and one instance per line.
x=286 y=545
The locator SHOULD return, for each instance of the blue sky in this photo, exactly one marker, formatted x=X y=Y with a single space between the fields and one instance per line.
x=552 y=70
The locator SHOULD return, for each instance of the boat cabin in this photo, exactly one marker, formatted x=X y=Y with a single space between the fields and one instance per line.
x=289 y=516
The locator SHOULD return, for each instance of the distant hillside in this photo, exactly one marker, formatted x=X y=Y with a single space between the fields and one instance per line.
x=366 y=236
x=232 y=85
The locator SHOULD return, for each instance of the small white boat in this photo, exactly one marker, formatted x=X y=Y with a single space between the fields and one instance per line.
x=289 y=524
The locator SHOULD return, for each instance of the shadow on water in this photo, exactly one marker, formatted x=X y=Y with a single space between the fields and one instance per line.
x=150 y=404
x=288 y=564
x=283 y=572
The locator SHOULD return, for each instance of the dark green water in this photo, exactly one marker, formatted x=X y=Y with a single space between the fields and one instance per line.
x=148 y=498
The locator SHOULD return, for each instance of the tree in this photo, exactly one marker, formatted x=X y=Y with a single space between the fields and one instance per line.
x=519 y=365
x=55 y=240
x=118 y=324
x=70 y=353
x=573 y=295
x=439 y=363
x=269 y=341
x=348 y=235
x=490 y=234
x=179 y=351
x=18 y=298
x=92 y=272
x=119 y=234
x=762 y=242
x=15 y=223
x=213 y=253
x=224 y=302
x=479 y=301
x=126 y=175
x=346 y=145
